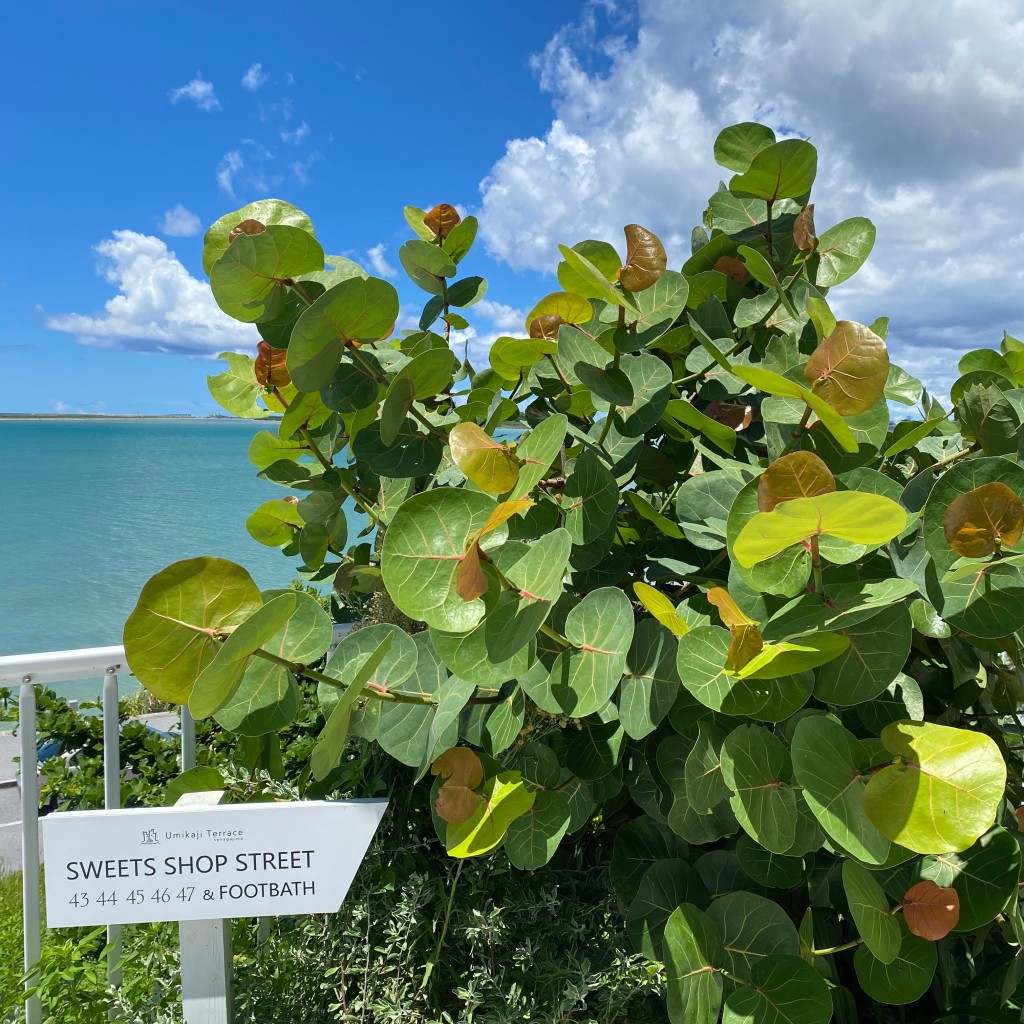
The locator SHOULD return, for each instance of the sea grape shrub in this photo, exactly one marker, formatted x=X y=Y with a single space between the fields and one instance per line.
x=662 y=568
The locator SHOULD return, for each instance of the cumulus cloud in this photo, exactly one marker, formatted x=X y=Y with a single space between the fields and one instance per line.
x=180 y=222
x=378 y=263
x=915 y=109
x=159 y=306
x=254 y=78
x=200 y=92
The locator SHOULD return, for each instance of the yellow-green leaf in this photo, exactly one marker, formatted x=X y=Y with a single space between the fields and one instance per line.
x=503 y=799
x=660 y=607
x=486 y=462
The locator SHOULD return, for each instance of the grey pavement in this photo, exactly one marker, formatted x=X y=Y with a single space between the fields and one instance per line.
x=10 y=798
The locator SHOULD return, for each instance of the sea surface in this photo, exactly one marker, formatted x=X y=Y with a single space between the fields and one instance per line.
x=91 y=509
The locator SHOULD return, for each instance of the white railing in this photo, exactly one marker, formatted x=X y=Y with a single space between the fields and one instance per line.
x=25 y=672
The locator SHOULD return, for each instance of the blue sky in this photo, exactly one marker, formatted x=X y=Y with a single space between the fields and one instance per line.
x=133 y=126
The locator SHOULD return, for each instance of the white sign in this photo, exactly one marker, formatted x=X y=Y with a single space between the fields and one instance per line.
x=196 y=863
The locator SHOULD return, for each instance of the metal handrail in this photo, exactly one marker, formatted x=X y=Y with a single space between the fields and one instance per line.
x=26 y=672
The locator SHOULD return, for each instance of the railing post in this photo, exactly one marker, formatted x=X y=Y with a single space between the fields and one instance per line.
x=112 y=799
x=188 y=739
x=30 y=843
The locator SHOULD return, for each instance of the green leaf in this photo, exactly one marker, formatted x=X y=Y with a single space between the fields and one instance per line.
x=201 y=779
x=503 y=799
x=237 y=389
x=460 y=238
x=399 y=662
x=412 y=453
x=267 y=211
x=510 y=357
x=985 y=877
x=718 y=433
x=911 y=437
x=737 y=145
x=849 y=515
x=250 y=277
x=775 y=384
x=842 y=251
x=427 y=264
x=705 y=784
x=692 y=947
x=603 y=257
x=466 y=292
x=906 y=978
x=752 y=928
x=355 y=310
x=267 y=448
x=167 y=637
x=488 y=463
x=660 y=306
x=650 y=685
x=219 y=680
x=701 y=667
x=871 y=912
x=773 y=870
x=332 y=739
x=665 y=885
x=533 y=838
x=429 y=372
x=275 y=523
x=639 y=844
x=829 y=763
x=600 y=627
x=784 y=990
x=877 y=651
x=783 y=170
x=650 y=380
x=609 y=384
x=943 y=792
x=594 y=280
x=589 y=499
x=791 y=657
x=423 y=546
x=756 y=767
x=849 y=369
x=537 y=452
x=572 y=308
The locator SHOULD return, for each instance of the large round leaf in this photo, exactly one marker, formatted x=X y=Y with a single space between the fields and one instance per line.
x=905 y=978
x=783 y=990
x=651 y=683
x=533 y=837
x=797 y=475
x=264 y=212
x=589 y=499
x=356 y=310
x=782 y=170
x=842 y=251
x=986 y=876
x=871 y=912
x=250 y=277
x=703 y=505
x=489 y=464
x=701 y=667
x=168 y=637
x=849 y=368
x=875 y=657
x=849 y=515
x=639 y=844
x=771 y=870
x=752 y=928
x=537 y=451
x=275 y=523
x=829 y=763
x=409 y=453
x=357 y=648
x=600 y=627
x=503 y=799
x=423 y=548
x=737 y=145
x=665 y=885
x=692 y=948
x=944 y=790
x=756 y=767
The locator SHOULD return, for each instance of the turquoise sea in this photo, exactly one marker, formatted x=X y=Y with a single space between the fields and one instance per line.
x=91 y=509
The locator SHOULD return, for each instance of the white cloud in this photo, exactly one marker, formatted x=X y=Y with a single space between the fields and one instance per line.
x=180 y=222
x=199 y=92
x=159 y=307
x=915 y=108
x=296 y=136
x=380 y=266
x=254 y=78
x=230 y=165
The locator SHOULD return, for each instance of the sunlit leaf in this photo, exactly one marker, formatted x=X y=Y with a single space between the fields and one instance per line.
x=931 y=911
x=645 y=259
x=984 y=520
x=849 y=369
x=488 y=463
x=797 y=475
x=462 y=772
x=441 y=219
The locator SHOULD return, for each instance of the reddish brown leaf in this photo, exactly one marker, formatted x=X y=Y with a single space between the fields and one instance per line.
x=462 y=771
x=270 y=365
x=247 y=227
x=470 y=580
x=849 y=368
x=1019 y=812
x=931 y=911
x=734 y=269
x=546 y=326
x=980 y=522
x=803 y=230
x=441 y=219
x=738 y=417
x=645 y=259
x=797 y=475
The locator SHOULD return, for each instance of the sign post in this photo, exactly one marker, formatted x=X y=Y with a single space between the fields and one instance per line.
x=204 y=863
